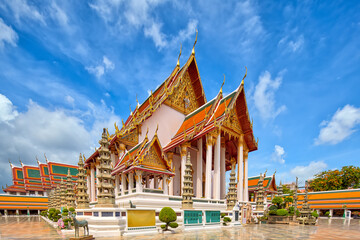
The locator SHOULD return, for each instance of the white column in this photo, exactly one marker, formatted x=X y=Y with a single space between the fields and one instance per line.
x=117 y=185
x=131 y=182
x=171 y=185
x=183 y=161
x=139 y=187
x=209 y=142
x=88 y=184
x=123 y=184
x=147 y=181
x=222 y=172
x=92 y=176
x=165 y=185
x=112 y=156
x=246 y=190
x=216 y=184
x=45 y=194
x=199 y=165
x=156 y=182
x=331 y=212
x=240 y=186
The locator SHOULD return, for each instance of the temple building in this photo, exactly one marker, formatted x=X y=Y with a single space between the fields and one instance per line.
x=149 y=152
x=31 y=186
x=269 y=187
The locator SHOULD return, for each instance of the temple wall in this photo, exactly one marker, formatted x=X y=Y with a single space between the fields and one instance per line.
x=177 y=164
x=169 y=121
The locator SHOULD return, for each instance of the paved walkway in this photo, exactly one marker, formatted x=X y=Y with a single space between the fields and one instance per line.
x=36 y=228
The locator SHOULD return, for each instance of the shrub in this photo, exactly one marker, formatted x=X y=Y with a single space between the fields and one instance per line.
x=297 y=213
x=44 y=213
x=173 y=224
x=291 y=210
x=273 y=207
x=278 y=201
x=163 y=226
x=226 y=220
x=327 y=214
x=315 y=214
x=168 y=215
x=223 y=215
x=272 y=212
x=282 y=212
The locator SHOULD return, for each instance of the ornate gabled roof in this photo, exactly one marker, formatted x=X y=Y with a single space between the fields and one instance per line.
x=268 y=183
x=44 y=174
x=163 y=93
x=32 y=178
x=146 y=156
x=58 y=171
x=215 y=114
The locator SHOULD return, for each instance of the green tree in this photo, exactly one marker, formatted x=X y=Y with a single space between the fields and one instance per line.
x=347 y=177
x=277 y=201
x=168 y=216
x=287 y=190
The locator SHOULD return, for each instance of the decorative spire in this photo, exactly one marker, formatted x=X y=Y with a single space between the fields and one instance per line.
x=46 y=158
x=242 y=81
x=10 y=164
x=193 y=49
x=187 y=192
x=231 y=196
x=222 y=85
x=82 y=198
x=22 y=165
x=70 y=193
x=105 y=184
x=146 y=135
x=137 y=102
x=157 y=128
x=260 y=194
x=122 y=122
x=178 y=61
x=62 y=193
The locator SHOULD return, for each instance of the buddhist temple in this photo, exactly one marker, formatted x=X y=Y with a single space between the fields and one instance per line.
x=174 y=129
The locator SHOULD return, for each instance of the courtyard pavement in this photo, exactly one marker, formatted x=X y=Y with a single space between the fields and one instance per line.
x=36 y=228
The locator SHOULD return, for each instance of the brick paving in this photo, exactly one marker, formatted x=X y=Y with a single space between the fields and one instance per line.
x=36 y=228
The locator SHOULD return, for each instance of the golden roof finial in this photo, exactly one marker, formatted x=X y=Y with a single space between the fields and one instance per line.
x=46 y=158
x=137 y=101
x=21 y=162
x=10 y=163
x=130 y=109
x=242 y=81
x=107 y=133
x=116 y=128
x=147 y=131
x=123 y=124
x=222 y=84
x=184 y=133
x=193 y=49
x=178 y=61
x=157 y=128
x=84 y=157
x=37 y=160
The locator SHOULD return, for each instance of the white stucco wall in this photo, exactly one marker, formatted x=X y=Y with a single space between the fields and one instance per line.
x=169 y=121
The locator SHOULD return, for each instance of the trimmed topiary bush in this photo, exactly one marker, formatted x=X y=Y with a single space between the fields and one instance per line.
x=222 y=215
x=282 y=212
x=226 y=220
x=168 y=216
x=327 y=214
x=291 y=210
x=315 y=214
x=273 y=207
x=278 y=201
x=272 y=212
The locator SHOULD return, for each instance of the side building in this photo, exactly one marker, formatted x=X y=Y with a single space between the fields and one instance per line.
x=31 y=185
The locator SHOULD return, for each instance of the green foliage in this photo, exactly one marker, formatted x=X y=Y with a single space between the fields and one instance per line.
x=327 y=214
x=291 y=210
x=168 y=216
x=287 y=190
x=72 y=209
x=273 y=207
x=278 y=201
x=227 y=219
x=163 y=226
x=173 y=225
x=315 y=214
x=65 y=212
x=347 y=177
x=288 y=200
x=44 y=213
x=282 y=212
x=297 y=213
x=222 y=215
x=272 y=212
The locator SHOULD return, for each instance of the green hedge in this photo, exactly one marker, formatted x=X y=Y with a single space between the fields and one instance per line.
x=282 y=212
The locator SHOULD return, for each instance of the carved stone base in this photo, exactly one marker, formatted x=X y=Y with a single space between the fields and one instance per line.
x=90 y=237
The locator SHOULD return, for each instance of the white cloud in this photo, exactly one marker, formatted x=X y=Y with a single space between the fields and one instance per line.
x=21 y=9
x=59 y=133
x=58 y=14
x=7 y=34
x=307 y=172
x=108 y=64
x=70 y=100
x=106 y=9
x=7 y=110
x=278 y=155
x=154 y=32
x=294 y=45
x=341 y=126
x=103 y=67
x=264 y=96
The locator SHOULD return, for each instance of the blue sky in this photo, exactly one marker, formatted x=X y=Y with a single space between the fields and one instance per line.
x=70 y=68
